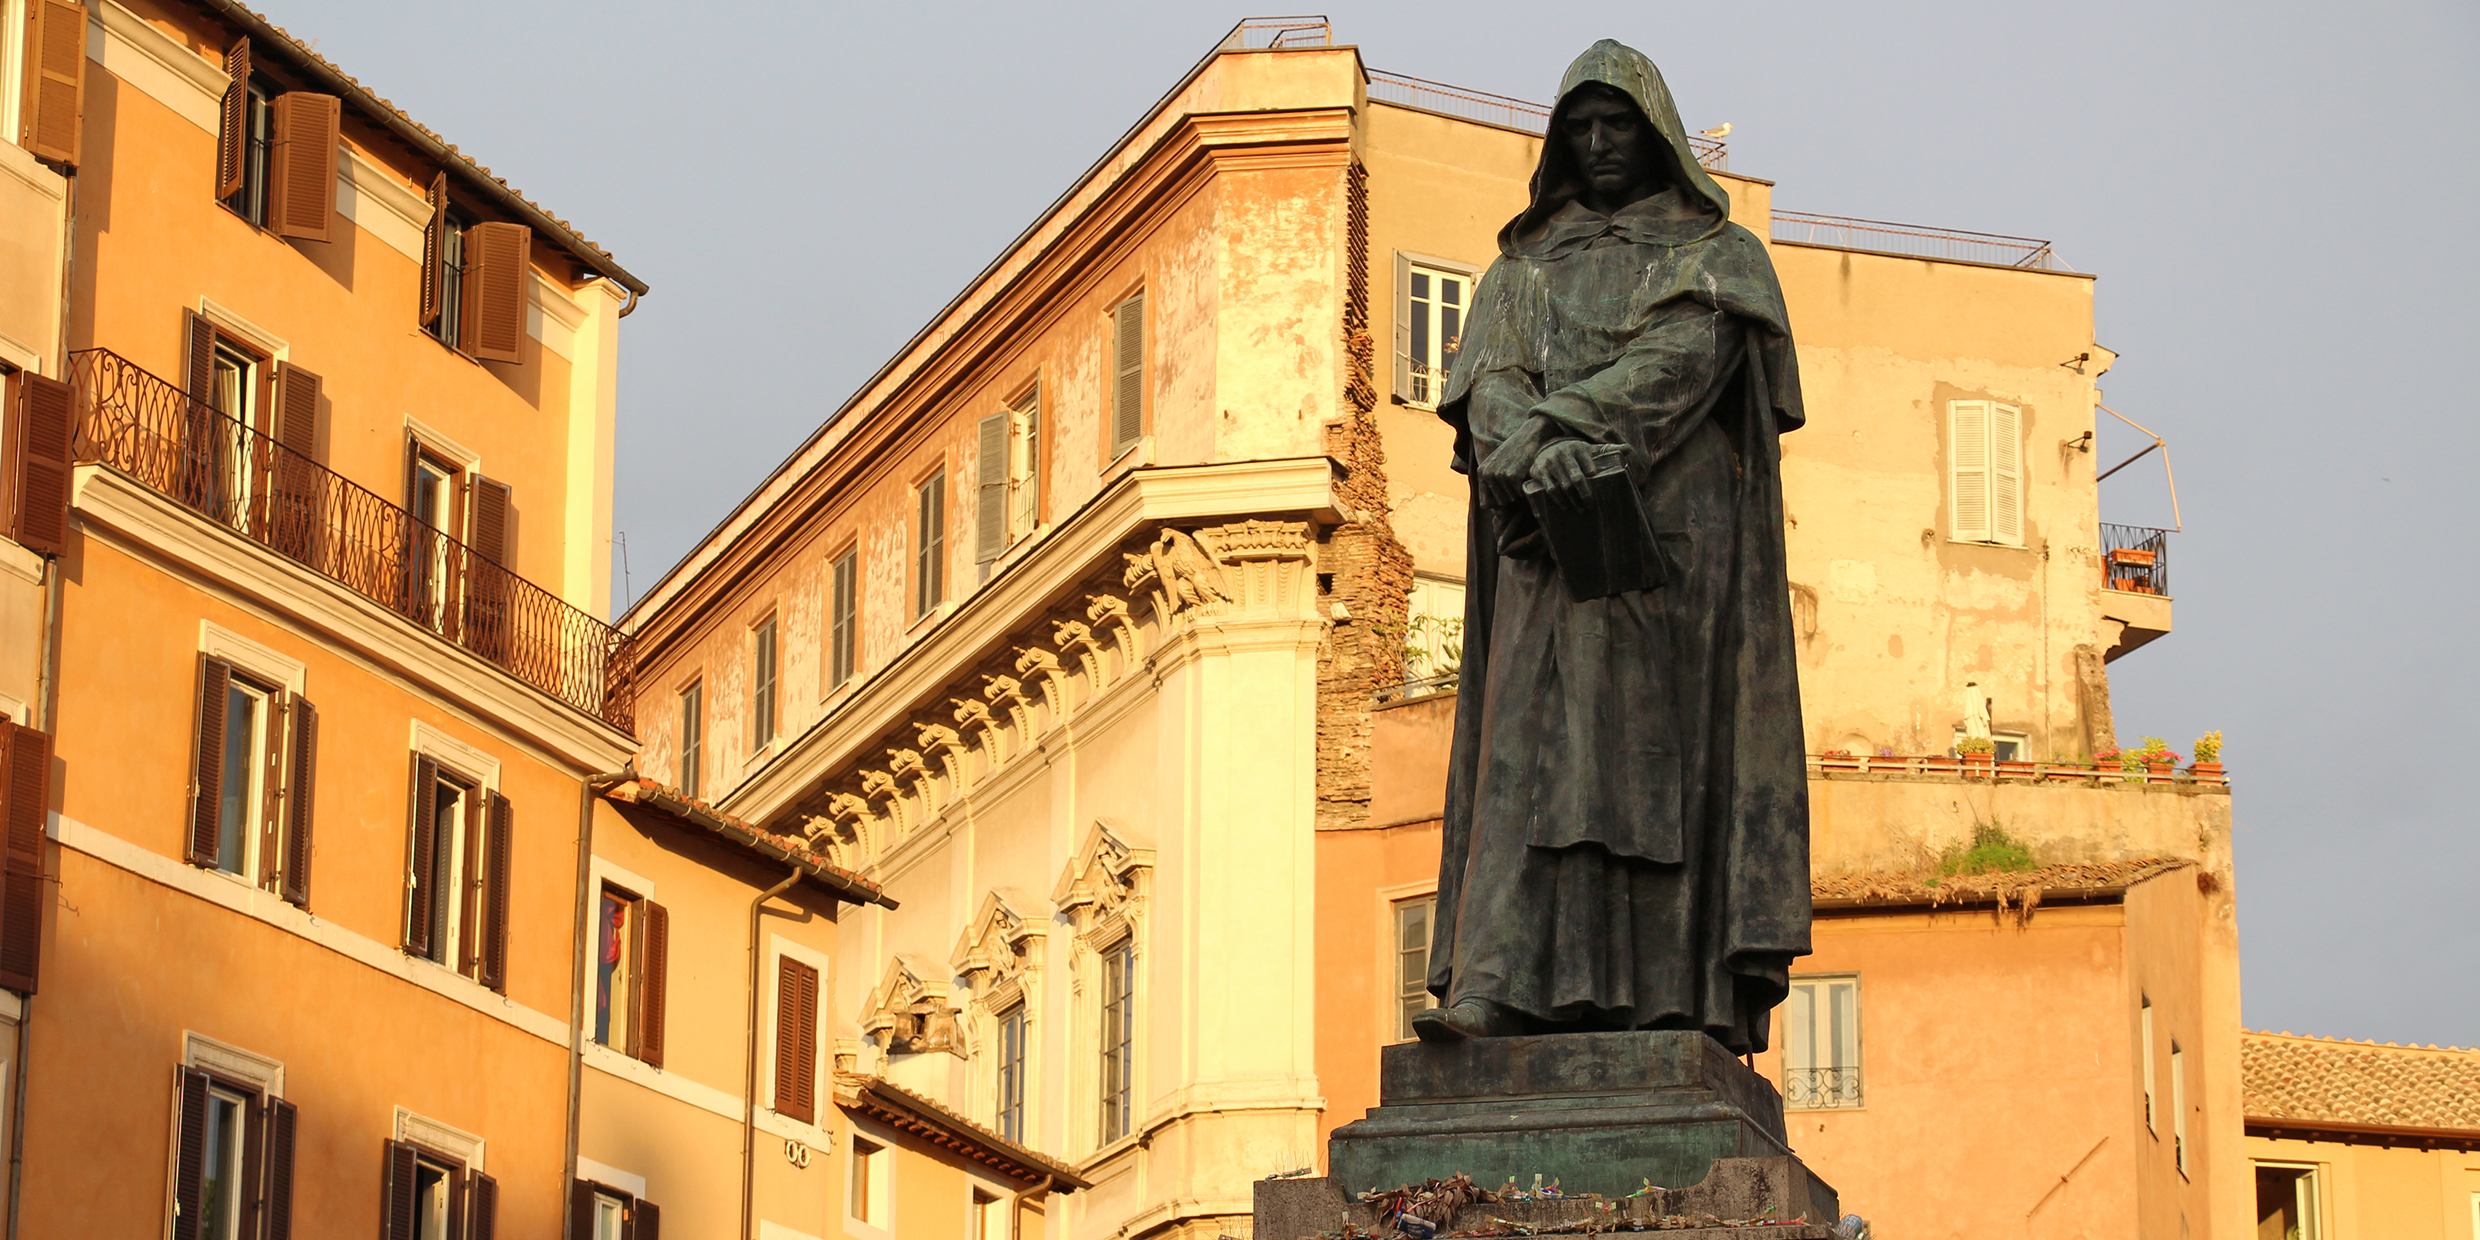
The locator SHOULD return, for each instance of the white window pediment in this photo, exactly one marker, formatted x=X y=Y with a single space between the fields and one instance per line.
x=1000 y=947
x=909 y=1012
x=1105 y=880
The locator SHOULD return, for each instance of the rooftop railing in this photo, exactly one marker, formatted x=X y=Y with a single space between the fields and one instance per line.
x=1915 y=240
x=230 y=474
x=1259 y=33
x=1504 y=111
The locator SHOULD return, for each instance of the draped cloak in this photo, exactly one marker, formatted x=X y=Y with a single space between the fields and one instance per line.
x=1626 y=828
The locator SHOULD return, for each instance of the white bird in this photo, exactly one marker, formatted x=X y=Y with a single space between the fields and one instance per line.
x=1719 y=132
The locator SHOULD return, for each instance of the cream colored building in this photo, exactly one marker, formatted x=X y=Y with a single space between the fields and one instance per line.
x=1088 y=630
x=2356 y=1140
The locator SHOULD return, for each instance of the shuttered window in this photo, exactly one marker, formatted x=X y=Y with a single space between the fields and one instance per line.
x=25 y=800
x=796 y=1040
x=252 y=782
x=301 y=165
x=843 y=604
x=990 y=503
x=497 y=270
x=459 y=852
x=653 y=978
x=55 y=75
x=433 y=1196
x=232 y=143
x=762 y=665
x=930 y=545
x=601 y=1212
x=440 y=292
x=232 y=1174
x=1025 y=470
x=295 y=525
x=1986 y=475
x=1128 y=375
x=487 y=626
x=692 y=737
x=38 y=429
x=632 y=974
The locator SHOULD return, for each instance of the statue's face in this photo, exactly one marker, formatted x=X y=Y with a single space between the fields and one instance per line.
x=1613 y=147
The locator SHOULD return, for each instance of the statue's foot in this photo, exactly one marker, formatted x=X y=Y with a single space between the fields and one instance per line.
x=1466 y=1018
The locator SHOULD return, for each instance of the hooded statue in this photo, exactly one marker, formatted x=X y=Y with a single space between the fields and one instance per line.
x=1626 y=834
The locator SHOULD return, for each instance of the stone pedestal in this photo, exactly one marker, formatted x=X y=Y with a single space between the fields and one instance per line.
x=1598 y=1112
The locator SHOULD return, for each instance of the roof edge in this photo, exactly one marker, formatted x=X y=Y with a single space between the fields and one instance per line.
x=845 y=884
x=874 y=1098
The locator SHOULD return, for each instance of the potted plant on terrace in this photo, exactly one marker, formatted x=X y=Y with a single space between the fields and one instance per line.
x=2159 y=763
x=1840 y=760
x=2208 y=765
x=1977 y=753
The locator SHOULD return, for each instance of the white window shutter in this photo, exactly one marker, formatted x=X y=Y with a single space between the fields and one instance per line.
x=1967 y=448
x=1403 y=328
x=1128 y=366
x=2006 y=475
x=990 y=504
x=1025 y=462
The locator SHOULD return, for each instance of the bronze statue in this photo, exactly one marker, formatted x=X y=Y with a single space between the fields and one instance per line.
x=1626 y=840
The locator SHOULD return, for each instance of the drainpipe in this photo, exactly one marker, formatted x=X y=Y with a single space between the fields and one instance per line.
x=577 y=970
x=1016 y=1208
x=749 y=1054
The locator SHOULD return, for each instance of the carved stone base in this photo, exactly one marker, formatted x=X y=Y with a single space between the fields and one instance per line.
x=1597 y=1112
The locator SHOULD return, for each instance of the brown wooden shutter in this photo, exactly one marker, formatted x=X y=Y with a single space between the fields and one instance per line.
x=498 y=260
x=282 y=1118
x=200 y=380
x=27 y=758
x=190 y=1158
x=207 y=779
x=301 y=174
x=421 y=853
x=1128 y=365
x=495 y=893
x=645 y=1221
x=232 y=145
x=39 y=463
x=55 y=80
x=796 y=1040
x=482 y=1206
x=402 y=1170
x=297 y=530
x=654 y=947
x=435 y=252
x=486 y=587
x=300 y=796
x=491 y=500
x=580 y=1210
x=297 y=410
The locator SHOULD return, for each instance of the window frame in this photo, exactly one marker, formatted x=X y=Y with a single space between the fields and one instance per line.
x=765 y=682
x=692 y=737
x=1025 y=456
x=258 y=112
x=1405 y=993
x=843 y=617
x=1848 y=1093
x=616 y=967
x=2144 y=1023
x=869 y=1174
x=451 y=870
x=1010 y=1030
x=449 y=327
x=1115 y=1092
x=1120 y=367
x=2178 y=1108
x=780 y=949
x=1420 y=380
x=260 y=805
x=1990 y=532
x=930 y=538
x=478 y=773
x=2308 y=1192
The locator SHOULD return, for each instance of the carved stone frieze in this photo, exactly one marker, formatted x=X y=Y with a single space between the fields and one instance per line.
x=1105 y=883
x=909 y=1012
x=999 y=950
x=1184 y=574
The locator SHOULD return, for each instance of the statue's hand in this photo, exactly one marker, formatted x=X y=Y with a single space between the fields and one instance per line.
x=1503 y=473
x=1563 y=469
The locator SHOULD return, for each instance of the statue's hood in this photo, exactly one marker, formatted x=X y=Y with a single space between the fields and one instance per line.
x=1555 y=179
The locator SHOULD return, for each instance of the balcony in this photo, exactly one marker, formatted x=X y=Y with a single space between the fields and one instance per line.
x=2135 y=580
x=151 y=431
x=1820 y=1089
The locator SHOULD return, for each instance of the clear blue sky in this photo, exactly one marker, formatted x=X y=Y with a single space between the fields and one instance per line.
x=2278 y=200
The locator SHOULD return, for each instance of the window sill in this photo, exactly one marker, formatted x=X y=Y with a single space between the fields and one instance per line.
x=1990 y=543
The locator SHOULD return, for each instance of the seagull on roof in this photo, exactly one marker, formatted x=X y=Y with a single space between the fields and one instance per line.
x=1719 y=132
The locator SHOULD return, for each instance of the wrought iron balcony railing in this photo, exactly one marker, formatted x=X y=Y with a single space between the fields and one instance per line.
x=2135 y=558
x=229 y=473
x=1820 y=1089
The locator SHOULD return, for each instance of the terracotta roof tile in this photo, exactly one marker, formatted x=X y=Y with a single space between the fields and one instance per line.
x=669 y=800
x=2341 y=1081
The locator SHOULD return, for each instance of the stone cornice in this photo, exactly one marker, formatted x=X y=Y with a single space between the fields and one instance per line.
x=914 y=681
x=121 y=511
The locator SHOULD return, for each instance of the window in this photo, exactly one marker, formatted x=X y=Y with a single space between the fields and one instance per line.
x=989 y=1221
x=228 y=385
x=2004 y=746
x=253 y=753
x=866 y=1193
x=1025 y=469
x=475 y=290
x=600 y=1212
x=233 y=1164
x=1128 y=375
x=1431 y=302
x=2286 y=1201
x=631 y=974
x=2178 y=1106
x=1009 y=447
x=1986 y=472
x=432 y=1195
x=1412 y=931
x=930 y=546
x=1434 y=632
x=796 y=1041
x=275 y=163
x=443 y=268
x=2144 y=1019
x=456 y=880
x=1012 y=1073
x=762 y=685
x=1119 y=991
x=692 y=736
x=434 y=496
x=1821 y=1044
x=842 y=602
x=248 y=130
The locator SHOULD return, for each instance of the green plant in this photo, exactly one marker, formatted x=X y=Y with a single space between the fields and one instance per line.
x=2154 y=751
x=1976 y=744
x=2209 y=746
x=1434 y=644
x=1992 y=851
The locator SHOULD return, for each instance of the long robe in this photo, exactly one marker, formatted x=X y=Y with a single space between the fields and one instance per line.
x=1626 y=837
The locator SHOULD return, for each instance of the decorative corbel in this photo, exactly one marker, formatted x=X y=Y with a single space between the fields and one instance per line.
x=942 y=741
x=1077 y=638
x=974 y=716
x=1008 y=693
x=1185 y=574
x=903 y=763
x=1105 y=609
x=878 y=785
x=1035 y=661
